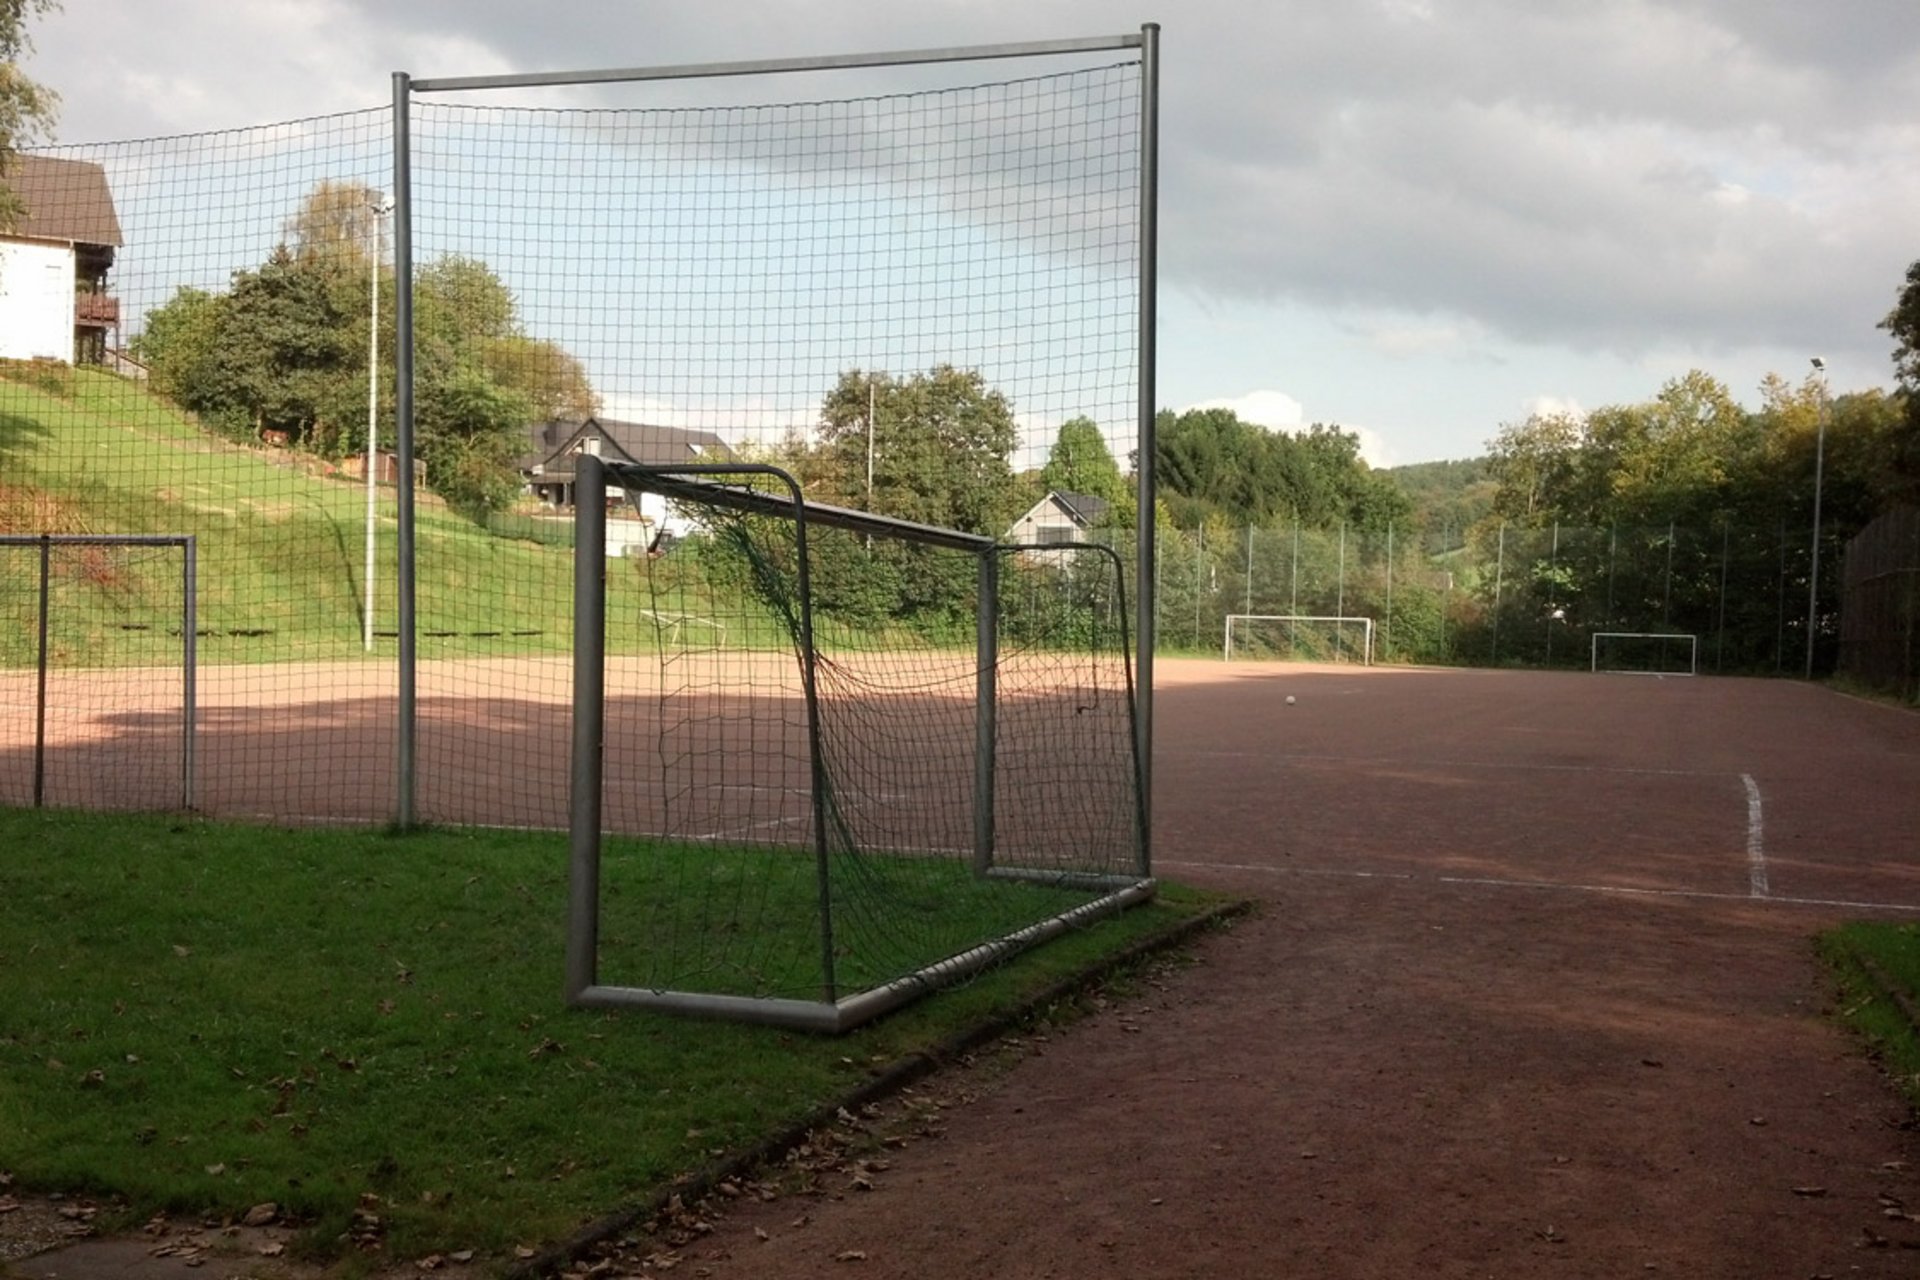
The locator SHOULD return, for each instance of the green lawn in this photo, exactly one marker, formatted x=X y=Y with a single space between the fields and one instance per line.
x=281 y=544
x=1878 y=968
x=201 y=1017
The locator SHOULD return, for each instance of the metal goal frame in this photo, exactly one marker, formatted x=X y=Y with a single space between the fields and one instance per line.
x=189 y=630
x=1693 y=652
x=1366 y=625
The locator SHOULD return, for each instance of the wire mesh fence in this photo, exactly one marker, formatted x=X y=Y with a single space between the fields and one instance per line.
x=903 y=295
x=1501 y=595
x=1880 y=624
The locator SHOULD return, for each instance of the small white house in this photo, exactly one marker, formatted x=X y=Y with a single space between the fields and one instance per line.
x=549 y=471
x=54 y=261
x=1058 y=518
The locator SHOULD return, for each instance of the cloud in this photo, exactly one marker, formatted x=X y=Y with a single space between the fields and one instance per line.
x=1275 y=410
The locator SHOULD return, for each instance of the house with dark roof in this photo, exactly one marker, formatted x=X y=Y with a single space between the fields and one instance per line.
x=1059 y=517
x=54 y=260
x=548 y=469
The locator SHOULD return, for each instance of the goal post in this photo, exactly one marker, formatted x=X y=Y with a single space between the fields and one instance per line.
x=902 y=754
x=1645 y=653
x=1326 y=638
x=108 y=623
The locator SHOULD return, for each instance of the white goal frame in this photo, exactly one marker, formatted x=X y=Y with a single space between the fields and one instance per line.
x=1693 y=651
x=1366 y=625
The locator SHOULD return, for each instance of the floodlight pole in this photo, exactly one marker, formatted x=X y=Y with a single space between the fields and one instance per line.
x=1819 y=476
x=380 y=205
x=407 y=739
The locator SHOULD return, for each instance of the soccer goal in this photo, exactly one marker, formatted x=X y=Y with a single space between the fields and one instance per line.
x=97 y=669
x=1298 y=638
x=901 y=754
x=1645 y=653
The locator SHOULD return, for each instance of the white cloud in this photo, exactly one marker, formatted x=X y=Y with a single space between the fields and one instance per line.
x=1275 y=410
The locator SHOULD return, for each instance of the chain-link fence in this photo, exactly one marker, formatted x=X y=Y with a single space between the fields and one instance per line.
x=1880 y=622
x=1502 y=595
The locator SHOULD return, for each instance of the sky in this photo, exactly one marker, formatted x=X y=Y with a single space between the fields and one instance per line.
x=1417 y=219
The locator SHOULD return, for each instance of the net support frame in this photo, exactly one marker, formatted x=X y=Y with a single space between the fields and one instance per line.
x=1366 y=626
x=189 y=637
x=405 y=86
x=1693 y=652
x=834 y=1013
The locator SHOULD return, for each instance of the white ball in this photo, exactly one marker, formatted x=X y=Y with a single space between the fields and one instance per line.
x=1289 y=699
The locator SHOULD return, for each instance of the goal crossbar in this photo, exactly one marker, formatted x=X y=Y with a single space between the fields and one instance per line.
x=1365 y=625
x=1693 y=652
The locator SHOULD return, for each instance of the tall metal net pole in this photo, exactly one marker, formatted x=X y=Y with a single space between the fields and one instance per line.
x=1144 y=480
x=404 y=764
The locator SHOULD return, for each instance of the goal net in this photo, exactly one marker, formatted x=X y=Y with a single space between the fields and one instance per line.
x=1298 y=638
x=1645 y=653
x=97 y=666
x=887 y=755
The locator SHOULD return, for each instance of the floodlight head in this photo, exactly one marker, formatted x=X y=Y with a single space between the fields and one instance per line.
x=1819 y=365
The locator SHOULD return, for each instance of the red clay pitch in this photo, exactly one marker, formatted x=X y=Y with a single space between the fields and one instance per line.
x=1532 y=992
x=1513 y=1006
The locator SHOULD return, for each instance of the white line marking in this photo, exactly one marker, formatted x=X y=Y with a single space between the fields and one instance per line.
x=1494 y=882
x=1756 y=843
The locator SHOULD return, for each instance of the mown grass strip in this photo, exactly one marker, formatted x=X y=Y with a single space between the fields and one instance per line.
x=200 y=1017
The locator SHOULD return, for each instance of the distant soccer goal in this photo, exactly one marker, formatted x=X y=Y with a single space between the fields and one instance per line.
x=890 y=755
x=97 y=670
x=1298 y=638
x=1645 y=653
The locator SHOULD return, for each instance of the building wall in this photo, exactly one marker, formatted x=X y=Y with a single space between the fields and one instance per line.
x=36 y=301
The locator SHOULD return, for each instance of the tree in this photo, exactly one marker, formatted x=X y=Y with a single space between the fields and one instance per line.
x=27 y=109
x=1903 y=322
x=941 y=441
x=285 y=350
x=1081 y=463
x=1210 y=462
x=337 y=227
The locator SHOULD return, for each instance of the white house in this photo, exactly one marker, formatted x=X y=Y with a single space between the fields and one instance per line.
x=1059 y=517
x=548 y=469
x=54 y=261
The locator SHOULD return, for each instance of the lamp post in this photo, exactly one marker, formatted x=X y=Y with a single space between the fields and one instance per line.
x=381 y=206
x=1819 y=477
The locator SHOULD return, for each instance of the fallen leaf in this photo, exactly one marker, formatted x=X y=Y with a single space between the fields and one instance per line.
x=850 y=1255
x=432 y=1262
x=272 y=1249
x=182 y=952
x=216 y=1169
x=522 y=1252
x=1809 y=1191
x=261 y=1214
x=461 y=1256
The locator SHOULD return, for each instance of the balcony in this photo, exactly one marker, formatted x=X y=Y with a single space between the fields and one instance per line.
x=97 y=310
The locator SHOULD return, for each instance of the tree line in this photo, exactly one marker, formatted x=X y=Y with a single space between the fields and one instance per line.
x=282 y=353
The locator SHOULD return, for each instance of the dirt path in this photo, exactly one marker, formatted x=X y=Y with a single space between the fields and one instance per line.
x=1368 y=1080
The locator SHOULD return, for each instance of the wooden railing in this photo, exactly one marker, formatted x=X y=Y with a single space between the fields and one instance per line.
x=96 y=308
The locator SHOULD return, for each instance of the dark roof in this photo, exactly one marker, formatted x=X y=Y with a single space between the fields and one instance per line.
x=64 y=199
x=1084 y=507
x=642 y=442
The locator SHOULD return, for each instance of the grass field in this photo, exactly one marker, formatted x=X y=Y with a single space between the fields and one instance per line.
x=281 y=543
x=203 y=1017
x=1878 y=967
